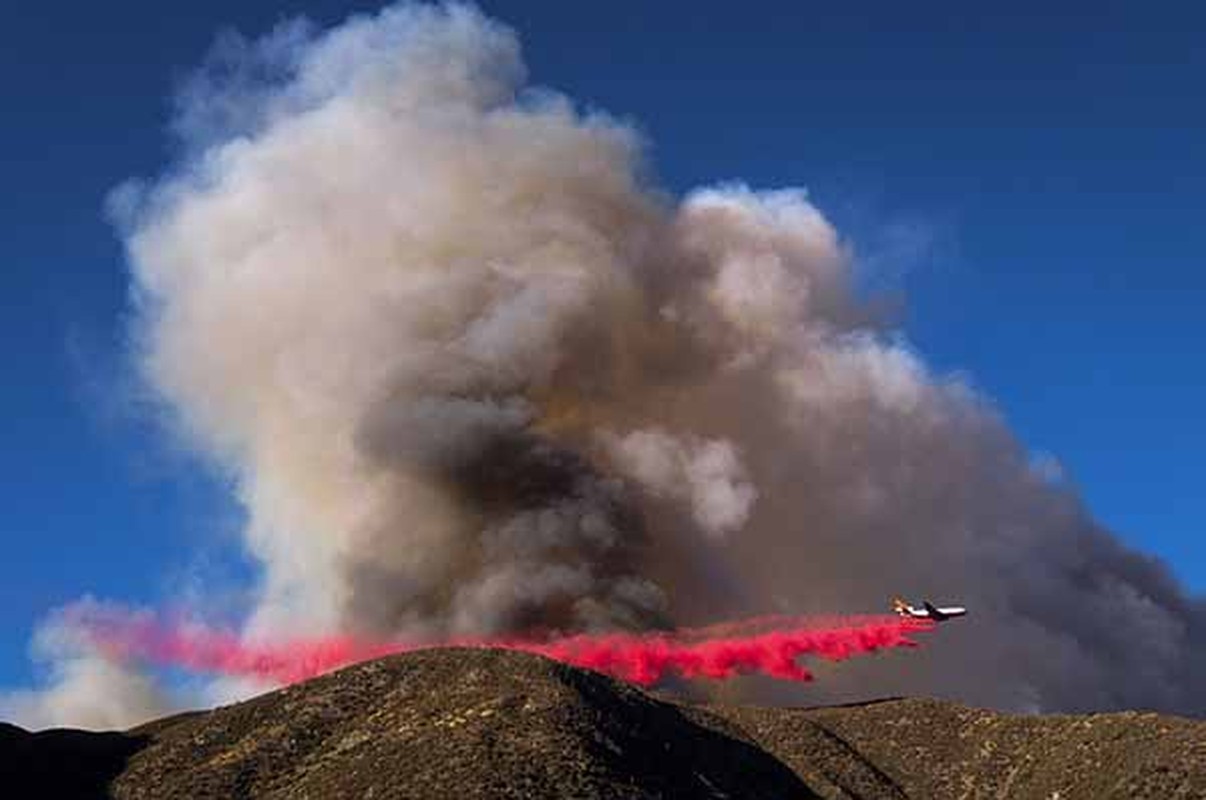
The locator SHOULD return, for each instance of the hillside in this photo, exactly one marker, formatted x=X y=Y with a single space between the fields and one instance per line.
x=487 y=723
x=927 y=748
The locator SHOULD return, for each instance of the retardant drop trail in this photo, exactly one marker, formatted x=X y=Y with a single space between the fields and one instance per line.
x=718 y=652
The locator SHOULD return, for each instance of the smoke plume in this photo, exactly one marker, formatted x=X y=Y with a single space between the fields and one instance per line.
x=473 y=374
x=87 y=688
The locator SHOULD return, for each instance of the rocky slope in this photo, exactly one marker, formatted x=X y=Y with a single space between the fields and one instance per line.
x=461 y=723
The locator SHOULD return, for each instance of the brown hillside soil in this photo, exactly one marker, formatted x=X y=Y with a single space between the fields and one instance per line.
x=454 y=723
x=458 y=723
x=934 y=749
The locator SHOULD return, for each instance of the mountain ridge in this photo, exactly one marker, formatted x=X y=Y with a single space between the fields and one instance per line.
x=476 y=723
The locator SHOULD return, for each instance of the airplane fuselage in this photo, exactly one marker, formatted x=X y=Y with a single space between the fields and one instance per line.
x=928 y=611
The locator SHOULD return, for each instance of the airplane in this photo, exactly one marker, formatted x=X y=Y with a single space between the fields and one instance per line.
x=927 y=611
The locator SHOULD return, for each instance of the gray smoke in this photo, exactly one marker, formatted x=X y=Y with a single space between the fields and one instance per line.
x=472 y=373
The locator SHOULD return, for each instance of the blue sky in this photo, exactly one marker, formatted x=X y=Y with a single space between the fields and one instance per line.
x=1032 y=181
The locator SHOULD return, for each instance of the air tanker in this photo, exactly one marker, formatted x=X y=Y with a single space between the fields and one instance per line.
x=927 y=611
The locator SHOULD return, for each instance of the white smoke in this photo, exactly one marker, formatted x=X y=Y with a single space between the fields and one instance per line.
x=85 y=688
x=472 y=373
x=707 y=474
